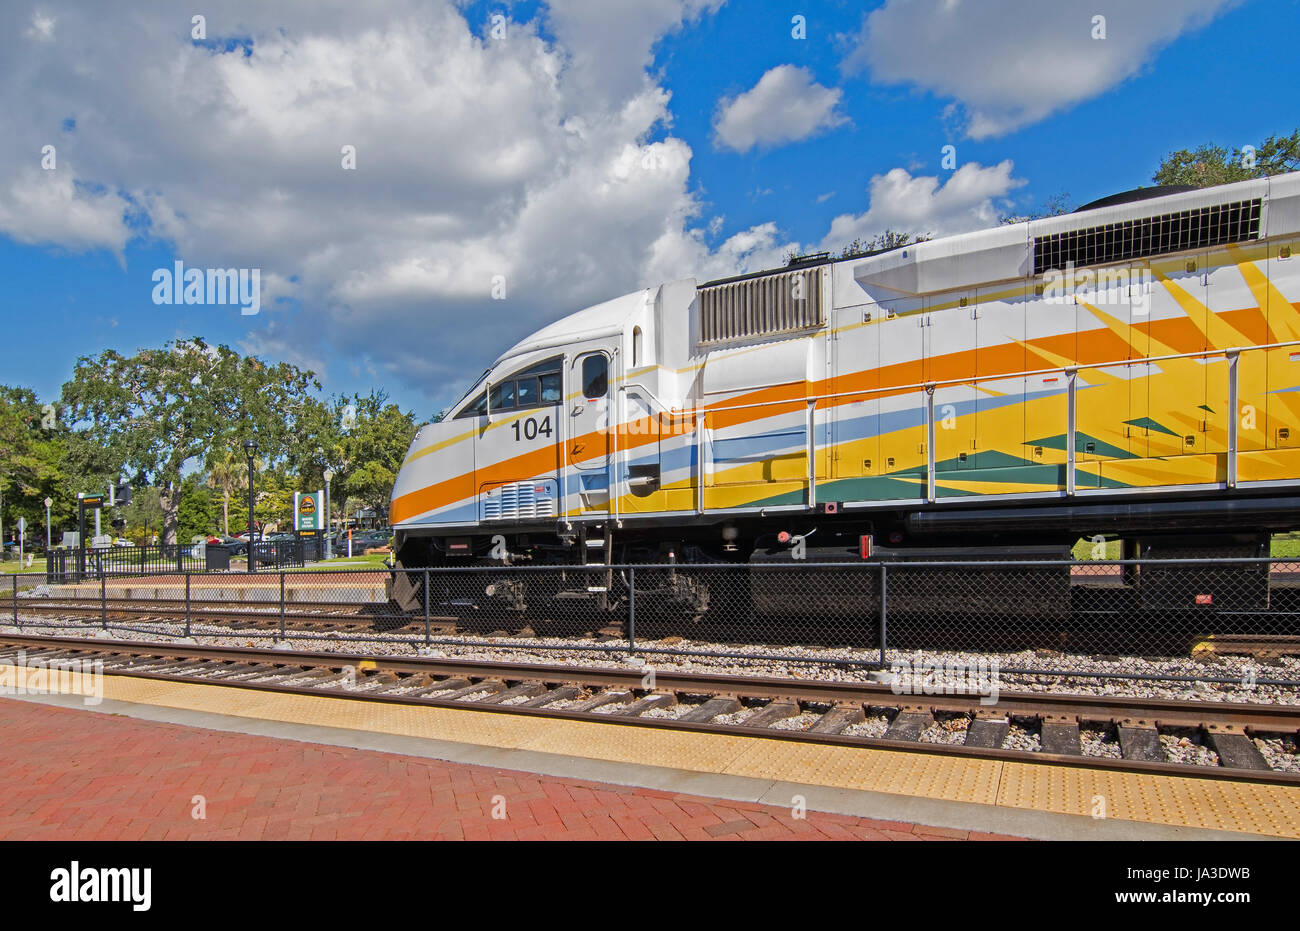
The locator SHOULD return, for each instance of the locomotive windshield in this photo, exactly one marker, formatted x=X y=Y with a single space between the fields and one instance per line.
x=539 y=385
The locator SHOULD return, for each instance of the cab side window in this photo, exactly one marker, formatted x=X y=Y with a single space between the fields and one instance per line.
x=595 y=377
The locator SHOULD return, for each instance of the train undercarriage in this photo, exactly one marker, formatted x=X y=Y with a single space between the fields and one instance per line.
x=778 y=567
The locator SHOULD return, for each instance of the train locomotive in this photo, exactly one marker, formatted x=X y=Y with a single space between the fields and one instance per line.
x=1130 y=371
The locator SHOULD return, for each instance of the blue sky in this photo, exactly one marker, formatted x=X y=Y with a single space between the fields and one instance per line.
x=479 y=153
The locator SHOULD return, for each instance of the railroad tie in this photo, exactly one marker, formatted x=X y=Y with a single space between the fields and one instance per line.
x=554 y=695
x=525 y=689
x=1237 y=751
x=725 y=704
x=1140 y=743
x=772 y=712
x=236 y=669
x=446 y=685
x=604 y=698
x=160 y=666
x=52 y=656
x=987 y=733
x=908 y=725
x=1062 y=738
x=642 y=705
x=307 y=675
x=487 y=685
x=837 y=719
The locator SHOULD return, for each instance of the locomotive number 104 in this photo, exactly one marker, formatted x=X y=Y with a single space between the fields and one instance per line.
x=531 y=429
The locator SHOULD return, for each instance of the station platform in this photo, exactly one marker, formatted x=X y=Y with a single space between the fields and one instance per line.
x=133 y=779
x=299 y=587
x=947 y=795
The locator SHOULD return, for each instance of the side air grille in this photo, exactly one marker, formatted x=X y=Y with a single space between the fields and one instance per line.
x=1147 y=236
x=767 y=305
x=519 y=500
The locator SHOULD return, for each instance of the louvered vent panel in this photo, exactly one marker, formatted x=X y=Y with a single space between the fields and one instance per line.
x=786 y=302
x=519 y=500
x=1148 y=236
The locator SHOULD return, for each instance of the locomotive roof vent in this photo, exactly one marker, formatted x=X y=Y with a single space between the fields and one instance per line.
x=764 y=305
x=1195 y=228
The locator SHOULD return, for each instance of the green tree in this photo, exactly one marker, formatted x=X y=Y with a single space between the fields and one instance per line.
x=196 y=512
x=143 y=517
x=161 y=408
x=1213 y=164
x=274 y=492
x=39 y=458
x=889 y=239
x=362 y=438
x=227 y=476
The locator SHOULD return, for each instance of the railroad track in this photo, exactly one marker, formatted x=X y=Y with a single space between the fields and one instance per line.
x=790 y=709
x=338 y=617
x=266 y=615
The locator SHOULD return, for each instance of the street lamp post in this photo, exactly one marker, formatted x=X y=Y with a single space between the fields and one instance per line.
x=250 y=450
x=48 y=503
x=329 y=542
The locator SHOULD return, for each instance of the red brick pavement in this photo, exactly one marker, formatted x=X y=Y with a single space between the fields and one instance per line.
x=71 y=774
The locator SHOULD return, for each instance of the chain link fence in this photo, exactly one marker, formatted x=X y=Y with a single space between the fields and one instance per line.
x=1178 y=620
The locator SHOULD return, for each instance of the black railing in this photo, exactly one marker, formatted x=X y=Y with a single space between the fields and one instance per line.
x=75 y=565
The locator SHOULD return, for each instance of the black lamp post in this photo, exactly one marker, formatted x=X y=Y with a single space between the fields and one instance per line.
x=250 y=449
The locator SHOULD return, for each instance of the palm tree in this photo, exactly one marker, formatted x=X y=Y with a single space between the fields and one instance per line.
x=227 y=474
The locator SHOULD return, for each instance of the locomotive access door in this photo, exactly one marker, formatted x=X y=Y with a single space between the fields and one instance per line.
x=590 y=415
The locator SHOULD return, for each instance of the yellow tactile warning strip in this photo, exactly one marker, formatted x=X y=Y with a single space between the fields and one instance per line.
x=1267 y=810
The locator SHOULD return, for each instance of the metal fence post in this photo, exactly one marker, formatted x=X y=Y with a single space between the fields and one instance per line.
x=631 y=611
x=884 y=613
x=929 y=444
x=187 y=604
x=103 y=600
x=1234 y=415
x=17 y=623
x=282 y=575
x=427 y=639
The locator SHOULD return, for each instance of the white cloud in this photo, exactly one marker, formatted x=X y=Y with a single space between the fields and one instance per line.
x=42 y=206
x=786 y=105
x=1013 y=62
x=476 y=157
x=42 y=27
x=607 y=46
x=905 y=203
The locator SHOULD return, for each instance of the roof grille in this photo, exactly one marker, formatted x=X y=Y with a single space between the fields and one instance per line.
x=1135 y=239
x=769 y=305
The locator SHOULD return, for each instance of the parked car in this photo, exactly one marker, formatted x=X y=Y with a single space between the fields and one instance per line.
x=361 y=541
x=236 y=546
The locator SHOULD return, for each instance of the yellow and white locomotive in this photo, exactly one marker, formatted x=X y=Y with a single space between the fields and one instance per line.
x=1131 y=369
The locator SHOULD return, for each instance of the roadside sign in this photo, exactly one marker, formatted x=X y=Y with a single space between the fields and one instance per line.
x=308 y=510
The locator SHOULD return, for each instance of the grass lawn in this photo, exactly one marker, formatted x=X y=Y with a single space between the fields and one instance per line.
x=10 y=566
x=373 y=561
x=1285 y=544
